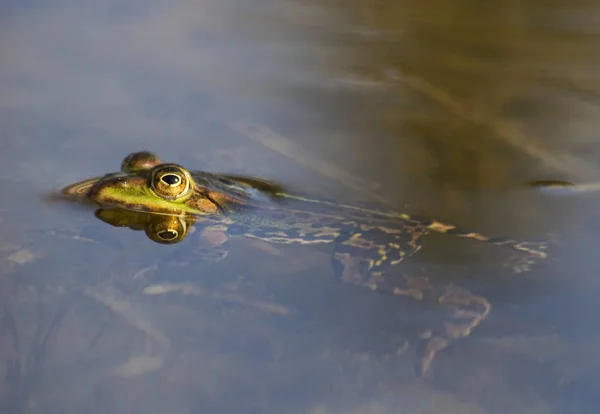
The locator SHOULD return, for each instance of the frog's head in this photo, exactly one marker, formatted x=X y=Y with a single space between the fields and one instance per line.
x=146 y=184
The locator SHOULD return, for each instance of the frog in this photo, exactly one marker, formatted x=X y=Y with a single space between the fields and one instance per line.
x=165 y=200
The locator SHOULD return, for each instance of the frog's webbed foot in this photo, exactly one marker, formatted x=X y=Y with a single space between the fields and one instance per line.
x=212 y=246
x=469 y=311
x=533 y=249
x=359 y=261
x=210 y=256
x=534 y=252
x=519 y=263
x=350 y=269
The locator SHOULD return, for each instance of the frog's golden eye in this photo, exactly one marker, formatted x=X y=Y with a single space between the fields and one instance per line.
x=168 y=229
x=170 y=181
x=140 y=161
x=167 y=235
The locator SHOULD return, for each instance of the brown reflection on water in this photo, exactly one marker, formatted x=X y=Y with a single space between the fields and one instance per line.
x=480 y=95
x=442 y=104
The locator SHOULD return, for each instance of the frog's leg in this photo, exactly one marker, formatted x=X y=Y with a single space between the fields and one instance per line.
x=362 y=257
x=213 y=243
x=363 y=253
x=532 y=248
x=212 y=246
x=469 y=311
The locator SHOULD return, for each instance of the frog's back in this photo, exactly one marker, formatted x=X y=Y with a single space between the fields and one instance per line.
x=265 y=209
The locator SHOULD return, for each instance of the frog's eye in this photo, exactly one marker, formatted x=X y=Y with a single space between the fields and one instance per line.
x=139 y=161
x=167 y=235
x=167 y=229
x=170 y=181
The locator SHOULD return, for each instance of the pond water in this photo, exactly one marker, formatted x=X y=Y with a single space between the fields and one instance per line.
x=440 y=109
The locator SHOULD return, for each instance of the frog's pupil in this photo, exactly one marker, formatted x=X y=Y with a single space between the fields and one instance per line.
x=167 y=234
x=171 y=179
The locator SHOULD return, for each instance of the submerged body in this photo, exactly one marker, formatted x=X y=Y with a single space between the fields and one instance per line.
x=165 y=200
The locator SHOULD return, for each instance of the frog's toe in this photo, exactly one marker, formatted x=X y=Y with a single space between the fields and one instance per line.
x=533 y=248
x=469 y=310
x=211 y=255
x=349 y=268
x=432 y=345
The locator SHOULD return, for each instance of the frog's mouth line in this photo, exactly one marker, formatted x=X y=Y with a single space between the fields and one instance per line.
x=81 y=188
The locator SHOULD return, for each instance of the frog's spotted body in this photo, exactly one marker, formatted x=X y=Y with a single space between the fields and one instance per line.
x=166 y=200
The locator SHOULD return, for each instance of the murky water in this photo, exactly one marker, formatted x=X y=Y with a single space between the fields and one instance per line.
x=443 y=109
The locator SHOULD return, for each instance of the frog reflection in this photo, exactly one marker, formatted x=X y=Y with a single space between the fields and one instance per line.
x=160 y=228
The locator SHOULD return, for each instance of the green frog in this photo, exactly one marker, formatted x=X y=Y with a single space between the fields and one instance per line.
x=166 y=200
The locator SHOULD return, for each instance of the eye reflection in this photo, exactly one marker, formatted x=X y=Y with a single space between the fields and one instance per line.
x=160 y=228
x=167 y=234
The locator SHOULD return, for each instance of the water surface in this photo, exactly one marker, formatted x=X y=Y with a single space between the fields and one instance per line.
x=441 y=109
